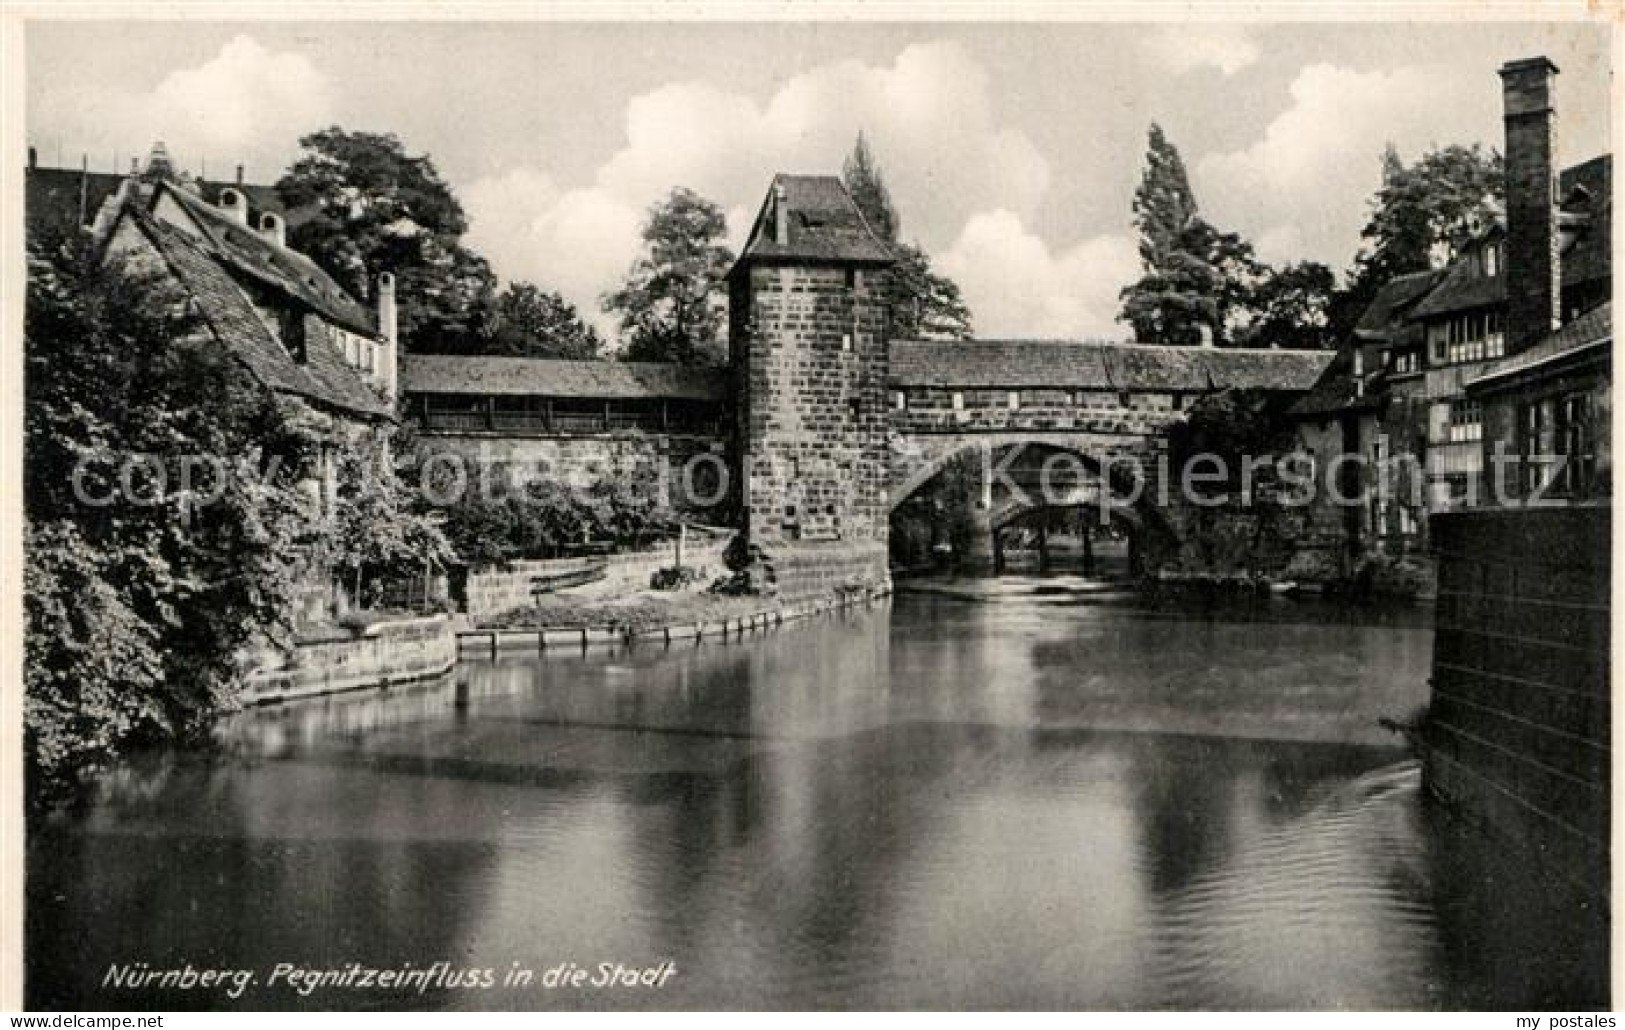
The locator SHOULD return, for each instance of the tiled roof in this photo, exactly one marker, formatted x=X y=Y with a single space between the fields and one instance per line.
x=1389 y=306
x=1461 y=288
x=261 y=198
x=52 y=197
x=1336 y=391
x=323 y=377
x=281 y=268
x=822 y=221
x=1595 y=328
x=553 y=377
x=1098 y=365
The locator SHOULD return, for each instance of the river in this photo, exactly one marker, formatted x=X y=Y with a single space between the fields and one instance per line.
x=1022 y=792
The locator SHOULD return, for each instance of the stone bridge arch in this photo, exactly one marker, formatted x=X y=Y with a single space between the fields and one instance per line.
x=1022 y=472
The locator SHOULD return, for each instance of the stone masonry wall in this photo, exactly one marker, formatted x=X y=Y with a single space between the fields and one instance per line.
x=493 y=591
x=581 y=461
x=1518 y=735
x=384 y=653
x=814 y=425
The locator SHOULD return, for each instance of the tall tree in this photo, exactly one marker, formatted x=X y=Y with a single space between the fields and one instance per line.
x=1194 y=277
x=923 y=303
x=863 y=179
x=1291 y=307
x=528 y=321
x=672 y=304
x=1164 y=205
x=375 y=208
x=1420 y=216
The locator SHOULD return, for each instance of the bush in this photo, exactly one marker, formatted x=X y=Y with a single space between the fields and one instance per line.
x=674 y=577
x=502 y=522
x=136 y=609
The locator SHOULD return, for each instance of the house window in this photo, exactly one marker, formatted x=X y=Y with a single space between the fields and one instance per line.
x=1013 y=399
x=959 y=401
x=1534 y=445
x=899 y=400
x=1179 y=402
x=846 y=341
x=1466 y=422
x=1479 y=336
x=1492 y=259
x=1576 y=439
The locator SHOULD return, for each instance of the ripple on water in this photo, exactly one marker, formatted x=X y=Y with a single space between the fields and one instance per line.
x=1330 y=910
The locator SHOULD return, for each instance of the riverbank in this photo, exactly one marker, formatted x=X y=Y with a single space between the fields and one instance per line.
x=563 y=624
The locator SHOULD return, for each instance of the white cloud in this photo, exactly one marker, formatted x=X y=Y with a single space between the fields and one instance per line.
x=1017 y=286
x=929 y=115
x=245 y=104
x=1300 y=191
x=1183 y=48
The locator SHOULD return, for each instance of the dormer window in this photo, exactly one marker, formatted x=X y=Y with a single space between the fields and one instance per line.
x=291 y=324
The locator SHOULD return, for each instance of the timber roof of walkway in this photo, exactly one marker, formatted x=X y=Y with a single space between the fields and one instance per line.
x=554 y=377
x=1097 y=365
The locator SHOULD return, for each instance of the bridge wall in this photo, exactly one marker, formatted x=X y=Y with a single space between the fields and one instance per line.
x=918 y=409
x=1518 y=734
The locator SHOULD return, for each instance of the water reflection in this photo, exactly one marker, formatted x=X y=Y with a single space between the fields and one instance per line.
x=941 y=803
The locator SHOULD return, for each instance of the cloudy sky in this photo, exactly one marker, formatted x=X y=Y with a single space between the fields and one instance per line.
x=1012 y=150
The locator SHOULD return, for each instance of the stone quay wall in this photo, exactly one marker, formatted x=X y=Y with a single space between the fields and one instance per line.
x=493 y=591
x=1517 y=733
x=807 y=570
x=396 y=651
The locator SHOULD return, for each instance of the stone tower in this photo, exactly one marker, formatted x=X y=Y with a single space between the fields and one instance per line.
x=807 y=339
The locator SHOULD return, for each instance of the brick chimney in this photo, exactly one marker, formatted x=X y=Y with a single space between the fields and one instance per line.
x=781 y=216
x=389 y=367
x=1534 y=274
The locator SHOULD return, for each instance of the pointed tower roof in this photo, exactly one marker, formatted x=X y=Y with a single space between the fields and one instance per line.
x=813 y=218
